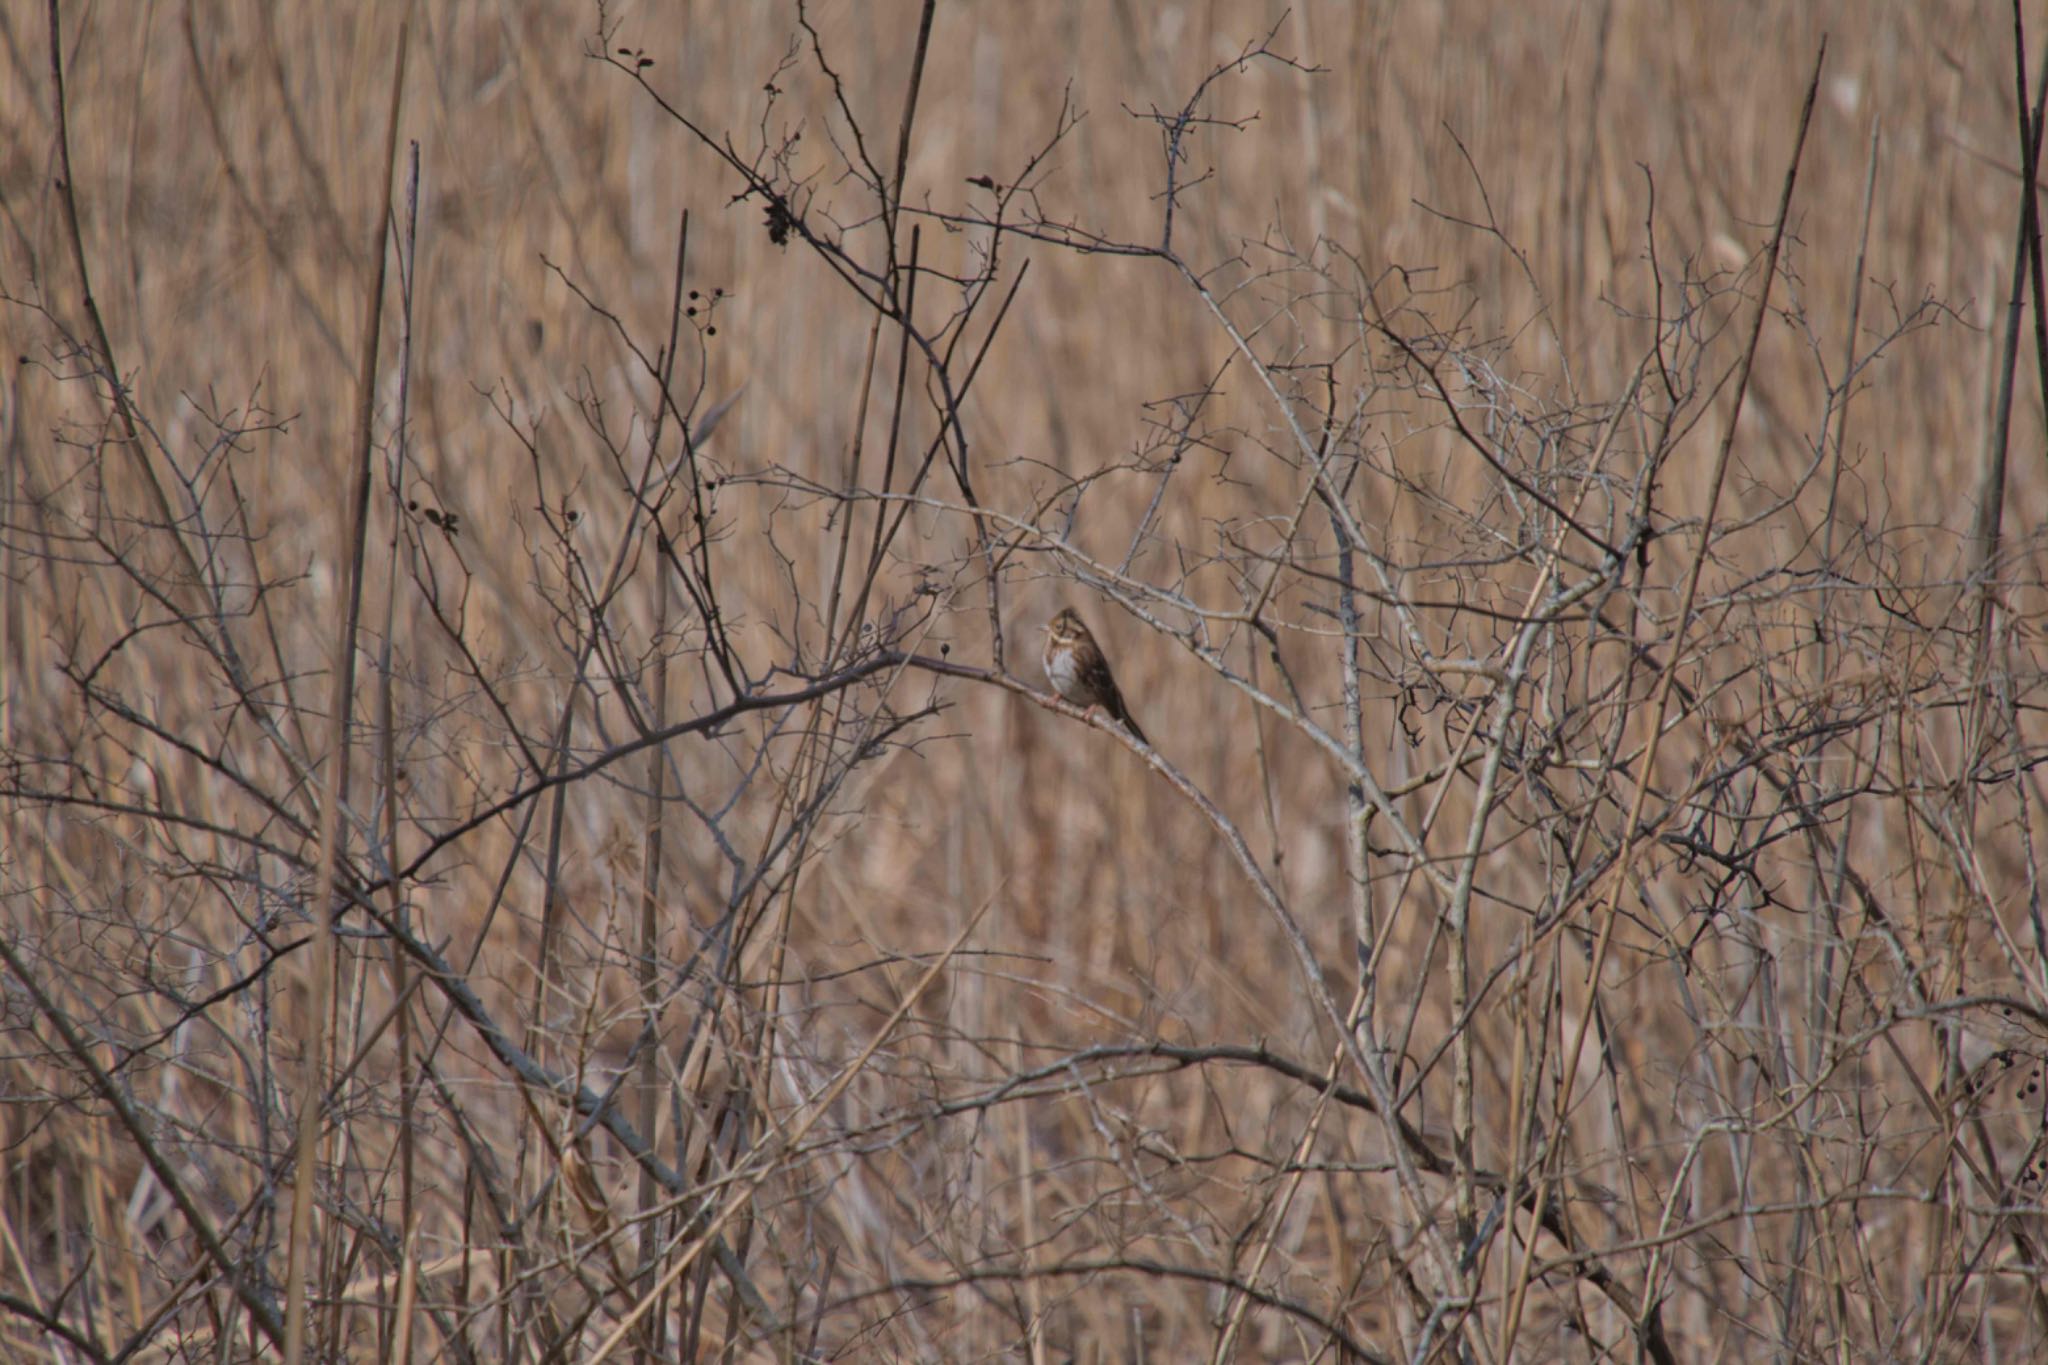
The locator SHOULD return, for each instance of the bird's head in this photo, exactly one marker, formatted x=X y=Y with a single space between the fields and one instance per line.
x=1065 y=626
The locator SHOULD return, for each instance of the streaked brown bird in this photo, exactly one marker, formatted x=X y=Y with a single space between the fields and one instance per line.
x=1077 y=671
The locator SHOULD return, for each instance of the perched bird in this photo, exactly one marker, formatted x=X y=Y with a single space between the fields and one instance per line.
x=1077 y=671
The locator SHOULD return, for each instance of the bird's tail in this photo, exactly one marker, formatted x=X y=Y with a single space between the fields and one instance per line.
x=1123 y=713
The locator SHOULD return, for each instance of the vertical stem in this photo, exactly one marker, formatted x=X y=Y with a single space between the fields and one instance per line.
x=339 y=703
x=893 y=200
x=387 y=733
x=650 y=944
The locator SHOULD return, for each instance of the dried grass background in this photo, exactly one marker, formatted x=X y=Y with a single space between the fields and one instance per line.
x=1867 y=1194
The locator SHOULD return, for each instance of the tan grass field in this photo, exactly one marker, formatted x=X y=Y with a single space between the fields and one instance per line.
x=887 y=1007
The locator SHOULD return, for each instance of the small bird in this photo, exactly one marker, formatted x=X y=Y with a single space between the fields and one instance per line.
x=1077 y=671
